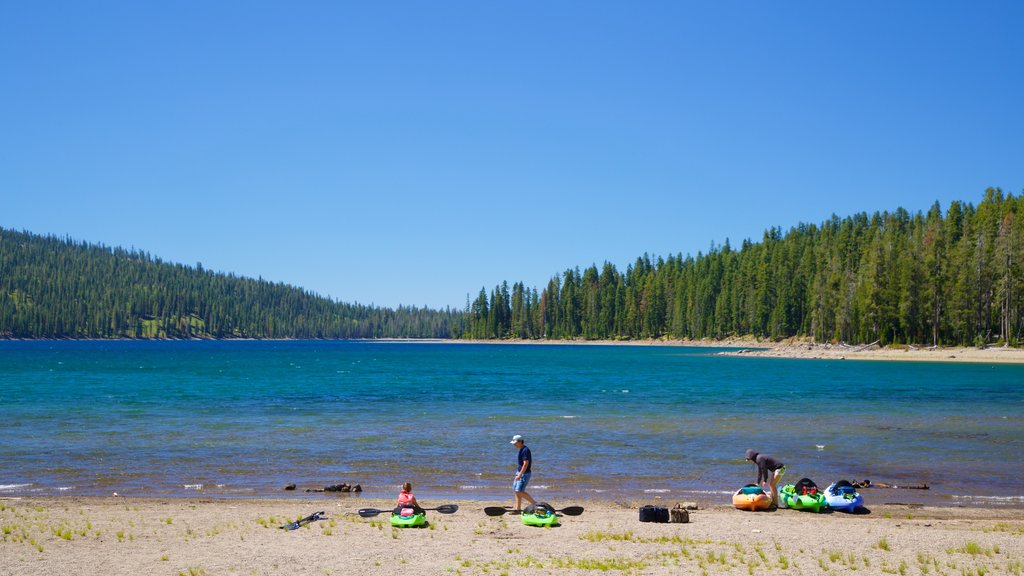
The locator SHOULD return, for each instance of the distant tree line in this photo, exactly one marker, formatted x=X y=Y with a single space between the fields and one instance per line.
x=932 y=278
x=59 y=288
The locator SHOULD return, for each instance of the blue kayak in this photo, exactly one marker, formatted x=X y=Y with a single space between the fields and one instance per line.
x=843 y=496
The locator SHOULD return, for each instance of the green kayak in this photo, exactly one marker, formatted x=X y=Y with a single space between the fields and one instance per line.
x=539 y=514
x=411 y=521
x=802 y=498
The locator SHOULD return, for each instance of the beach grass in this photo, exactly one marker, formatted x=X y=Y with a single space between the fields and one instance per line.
x=606 y=539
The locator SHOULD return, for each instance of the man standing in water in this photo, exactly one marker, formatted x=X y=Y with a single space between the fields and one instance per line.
x=525 y=459
x=769 y=470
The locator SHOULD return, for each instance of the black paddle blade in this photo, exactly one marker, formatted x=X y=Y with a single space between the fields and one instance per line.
x=572 y=510
x=302 y=521
x=447 y=508
x=495 y=510
x=370 y=512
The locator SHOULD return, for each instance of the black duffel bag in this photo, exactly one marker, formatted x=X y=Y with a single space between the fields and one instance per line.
x=653 y=514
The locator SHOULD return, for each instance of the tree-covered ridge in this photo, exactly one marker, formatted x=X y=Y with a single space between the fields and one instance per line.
x=932 y=278
x=59 y=288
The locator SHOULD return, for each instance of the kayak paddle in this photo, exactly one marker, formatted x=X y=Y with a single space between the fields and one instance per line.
x=443 y=509
x=303 y=521
x=499 y=510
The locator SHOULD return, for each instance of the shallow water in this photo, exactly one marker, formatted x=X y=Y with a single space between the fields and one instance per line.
x=246 y=418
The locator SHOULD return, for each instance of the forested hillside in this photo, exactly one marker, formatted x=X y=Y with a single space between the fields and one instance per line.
x=54 y=288
x=896 y=277
x=953 y=277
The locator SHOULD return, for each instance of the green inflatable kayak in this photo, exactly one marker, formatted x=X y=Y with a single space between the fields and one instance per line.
x=539 y=514
x=803 y=495
x=410 y=521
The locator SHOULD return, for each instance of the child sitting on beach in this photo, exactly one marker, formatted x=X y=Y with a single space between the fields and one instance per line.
x=407 y=504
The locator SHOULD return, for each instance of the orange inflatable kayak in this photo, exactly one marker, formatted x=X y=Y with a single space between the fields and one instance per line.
x=751 y=497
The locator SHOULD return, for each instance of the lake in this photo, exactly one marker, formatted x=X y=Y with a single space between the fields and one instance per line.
x=245 y=418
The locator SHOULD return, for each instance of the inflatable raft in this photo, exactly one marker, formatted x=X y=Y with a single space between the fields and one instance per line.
x=843 y=496
x=539 y=514
x=751 y=497
x=803 y=495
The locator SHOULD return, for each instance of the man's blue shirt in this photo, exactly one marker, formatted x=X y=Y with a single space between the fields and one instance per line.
x=525 y=456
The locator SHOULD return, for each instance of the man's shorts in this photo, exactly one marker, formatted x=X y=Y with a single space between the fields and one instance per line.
x=520 y=485
x=779 y=473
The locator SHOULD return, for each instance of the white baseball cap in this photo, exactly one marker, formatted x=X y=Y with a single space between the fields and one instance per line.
x=516 y=438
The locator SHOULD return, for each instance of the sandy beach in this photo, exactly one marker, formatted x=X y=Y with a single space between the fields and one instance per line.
x=798 y=348
x=114 y=535
x=809 y=350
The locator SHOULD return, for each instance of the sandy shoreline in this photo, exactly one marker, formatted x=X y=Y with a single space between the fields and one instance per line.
x=807 y=350
x=75 y=535
x=800 y=349
x=789 y=348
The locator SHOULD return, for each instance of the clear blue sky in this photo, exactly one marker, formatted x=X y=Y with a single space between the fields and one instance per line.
x=414 y=152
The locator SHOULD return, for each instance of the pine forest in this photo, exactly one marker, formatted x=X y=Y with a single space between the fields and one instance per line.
x=53 y=288
x=953 y=277
x=934 y=278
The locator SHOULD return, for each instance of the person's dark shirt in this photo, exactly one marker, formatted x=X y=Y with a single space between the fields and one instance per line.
x=525 y=456
x=766 y=467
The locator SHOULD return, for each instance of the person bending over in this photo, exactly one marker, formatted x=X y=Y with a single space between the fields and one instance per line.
x=769 y=471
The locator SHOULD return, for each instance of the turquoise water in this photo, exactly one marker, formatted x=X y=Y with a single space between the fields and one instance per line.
x=246 y=418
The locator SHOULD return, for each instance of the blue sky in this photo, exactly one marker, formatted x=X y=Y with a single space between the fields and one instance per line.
x=414 y=152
